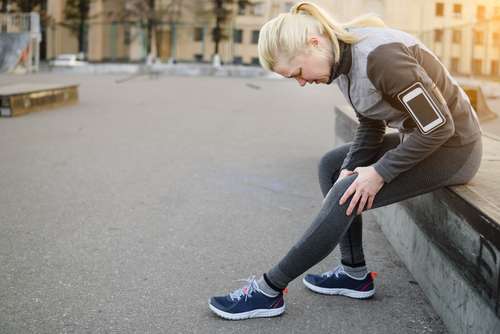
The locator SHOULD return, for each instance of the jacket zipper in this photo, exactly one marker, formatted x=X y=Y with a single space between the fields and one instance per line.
x=349 y=93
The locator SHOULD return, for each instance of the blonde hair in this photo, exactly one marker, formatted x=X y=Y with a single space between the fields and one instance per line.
x=287 y=35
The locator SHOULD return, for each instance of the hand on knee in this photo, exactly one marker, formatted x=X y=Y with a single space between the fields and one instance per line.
x=344 y=173
x=363 y=189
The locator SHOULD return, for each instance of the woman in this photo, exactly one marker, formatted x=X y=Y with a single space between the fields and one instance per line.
x=390 y=79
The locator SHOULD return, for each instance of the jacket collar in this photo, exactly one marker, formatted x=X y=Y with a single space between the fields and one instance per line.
x=343 y=66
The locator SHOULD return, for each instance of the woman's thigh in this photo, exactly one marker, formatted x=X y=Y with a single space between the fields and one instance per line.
x=446 y=166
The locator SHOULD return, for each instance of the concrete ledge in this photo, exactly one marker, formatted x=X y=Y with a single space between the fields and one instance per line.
x=478 y=102
x=449 y=240
x=20 y=99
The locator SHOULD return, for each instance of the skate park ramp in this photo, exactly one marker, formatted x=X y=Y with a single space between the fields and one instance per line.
x=12 y=46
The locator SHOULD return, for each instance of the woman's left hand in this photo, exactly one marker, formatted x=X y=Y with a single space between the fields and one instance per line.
x=364 y=188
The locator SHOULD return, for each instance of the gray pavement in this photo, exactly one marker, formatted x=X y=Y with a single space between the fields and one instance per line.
x=126 y=212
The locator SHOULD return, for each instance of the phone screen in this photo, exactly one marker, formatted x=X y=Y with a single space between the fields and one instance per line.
x=422 y=110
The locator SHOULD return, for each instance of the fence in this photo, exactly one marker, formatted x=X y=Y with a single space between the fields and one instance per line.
x=15 y=22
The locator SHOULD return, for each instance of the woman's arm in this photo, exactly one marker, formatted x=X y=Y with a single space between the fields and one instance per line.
x=393 y=75
x=366 y=143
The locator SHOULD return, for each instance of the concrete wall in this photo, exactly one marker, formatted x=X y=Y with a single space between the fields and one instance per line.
x=449 y=240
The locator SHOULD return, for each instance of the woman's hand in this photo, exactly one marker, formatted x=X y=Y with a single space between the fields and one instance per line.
x=364 y=188
x=343 y=173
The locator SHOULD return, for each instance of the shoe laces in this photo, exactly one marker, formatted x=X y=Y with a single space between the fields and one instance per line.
x=246 y=290
x=337 y=271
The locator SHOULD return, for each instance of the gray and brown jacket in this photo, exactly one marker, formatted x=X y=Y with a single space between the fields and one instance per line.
x=371 y=73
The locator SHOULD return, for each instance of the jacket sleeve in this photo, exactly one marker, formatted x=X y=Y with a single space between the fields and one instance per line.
x=392 y=75
x=366 y=144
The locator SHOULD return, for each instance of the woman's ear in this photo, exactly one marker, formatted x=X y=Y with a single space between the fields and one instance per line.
x=314 y=42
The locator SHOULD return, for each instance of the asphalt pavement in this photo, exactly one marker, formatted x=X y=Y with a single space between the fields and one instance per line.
x=126 y=212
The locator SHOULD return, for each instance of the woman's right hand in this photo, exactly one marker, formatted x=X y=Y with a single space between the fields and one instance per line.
x=343 y=173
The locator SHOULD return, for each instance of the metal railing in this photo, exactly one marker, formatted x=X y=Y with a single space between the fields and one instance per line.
x=15 y=22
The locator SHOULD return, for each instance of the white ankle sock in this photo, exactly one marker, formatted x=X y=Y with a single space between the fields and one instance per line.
x=266 y=288
x=358 y=272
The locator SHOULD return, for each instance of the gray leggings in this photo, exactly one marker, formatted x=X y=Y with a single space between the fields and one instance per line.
x=446 y=166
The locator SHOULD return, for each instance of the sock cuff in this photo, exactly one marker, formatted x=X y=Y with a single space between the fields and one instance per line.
x=355 y=265
x=271 y=285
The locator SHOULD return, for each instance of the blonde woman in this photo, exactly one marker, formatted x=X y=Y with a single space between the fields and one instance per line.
x=390 y=79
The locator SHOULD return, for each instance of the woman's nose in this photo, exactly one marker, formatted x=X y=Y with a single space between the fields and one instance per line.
x=302 y=82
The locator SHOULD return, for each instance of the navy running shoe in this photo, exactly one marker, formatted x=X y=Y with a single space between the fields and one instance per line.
x=338 y=282
x=248 y=302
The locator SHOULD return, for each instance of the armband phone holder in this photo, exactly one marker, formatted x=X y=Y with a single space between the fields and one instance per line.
x=422 y=108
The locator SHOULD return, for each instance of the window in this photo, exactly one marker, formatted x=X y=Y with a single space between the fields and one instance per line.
x=255 y=36
x=238 y=35
x=478 y=37
x=237 y=60
x=255 y=61
x=439 y=9
x=126 y=35
x=496 y=39
x=198 y=34
x=494 y=67
x=457 y=36
x=455 y=62
x=242 y=8
x=198 y=58
x=477 y=66
x=481 y=11
x=438 y=35
x=288 y=7
x=457 y=11
x=258 y=9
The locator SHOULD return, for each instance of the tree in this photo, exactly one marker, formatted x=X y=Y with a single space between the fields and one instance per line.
x=24 y=6
x=148 y=12
x=77 y=12
x=27 y=6
x=223 y=13
x=5 y=3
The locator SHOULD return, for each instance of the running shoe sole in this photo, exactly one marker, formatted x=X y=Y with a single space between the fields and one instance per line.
x=260 y=313
x=340 y=292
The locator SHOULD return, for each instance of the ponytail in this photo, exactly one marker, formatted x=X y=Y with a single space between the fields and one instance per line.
x=287 y=35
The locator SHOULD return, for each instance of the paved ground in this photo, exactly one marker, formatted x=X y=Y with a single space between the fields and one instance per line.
x=126 y=212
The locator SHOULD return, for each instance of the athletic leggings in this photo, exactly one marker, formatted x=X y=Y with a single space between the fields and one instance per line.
x=446 y=166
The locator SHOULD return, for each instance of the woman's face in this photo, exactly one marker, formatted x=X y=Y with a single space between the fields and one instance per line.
x=311 y=68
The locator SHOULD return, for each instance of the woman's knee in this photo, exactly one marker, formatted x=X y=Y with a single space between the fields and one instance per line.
x=338 y=190
x=331 y=161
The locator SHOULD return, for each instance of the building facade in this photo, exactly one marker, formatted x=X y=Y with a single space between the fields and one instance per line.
x=465 y=35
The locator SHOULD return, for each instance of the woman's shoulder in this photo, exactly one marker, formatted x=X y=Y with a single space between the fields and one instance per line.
x=375 y=36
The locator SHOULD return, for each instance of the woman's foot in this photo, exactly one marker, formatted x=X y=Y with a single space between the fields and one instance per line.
x=248 y=302
x=338 y=282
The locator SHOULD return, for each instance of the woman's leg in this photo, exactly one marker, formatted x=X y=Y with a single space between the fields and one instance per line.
x=446 y=166
x=351 y=244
